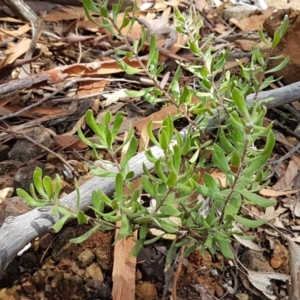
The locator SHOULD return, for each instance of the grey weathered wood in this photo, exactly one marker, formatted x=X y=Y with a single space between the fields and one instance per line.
x=283 y=95
x=16 y=232
x=22 y=10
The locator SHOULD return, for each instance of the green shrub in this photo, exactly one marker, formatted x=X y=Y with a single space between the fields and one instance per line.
x=206 y=221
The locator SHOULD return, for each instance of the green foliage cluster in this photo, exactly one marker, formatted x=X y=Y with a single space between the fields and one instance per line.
x=237 y=125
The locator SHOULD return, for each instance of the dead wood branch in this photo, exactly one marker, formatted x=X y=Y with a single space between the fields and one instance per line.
x=22 y=10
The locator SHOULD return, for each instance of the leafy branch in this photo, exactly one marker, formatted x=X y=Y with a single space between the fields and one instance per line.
x=186 y=200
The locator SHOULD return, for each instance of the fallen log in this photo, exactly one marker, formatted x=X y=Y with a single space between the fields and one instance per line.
x=16 y=232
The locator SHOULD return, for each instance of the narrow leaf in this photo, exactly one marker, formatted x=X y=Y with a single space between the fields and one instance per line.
x=249 y=223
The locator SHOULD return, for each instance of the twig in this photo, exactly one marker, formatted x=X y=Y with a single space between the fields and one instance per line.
x=23 y=135
x=17 y=113
x=177 y=273
x=281 y=160
x=22 y=10
x=293 y=111
x=36 y=32
x=289 y=131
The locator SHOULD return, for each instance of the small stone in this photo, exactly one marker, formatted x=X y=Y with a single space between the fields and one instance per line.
x=28 y=287
x=39 y=278
x=62 y=247
x=219 y=291
x=12 y=207
x=46 y=240
x=8 y=165
x=230 y=290
x=275 y=262
x=146 y=291
x=99 y=289
x=24 y=150
x=103 y=258
x=94 y=272
x=9 y=294
x=255 y=261
x=63 y=286
x=23 y=177
x=29 y=260
x=242 y=296
x=85 y=258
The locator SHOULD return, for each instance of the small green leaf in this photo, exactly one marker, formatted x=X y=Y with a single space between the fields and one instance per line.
x=29 y=200
x=153 y=240
x=131 y=151
x=170 y=255
x=240 y=102
x=225 y=249
x=142 y=39
x=47 y=183
x=167 y=225
x=279 y=67
x=276 y=38
x=235 y=120
x=210 y=182
x=170 y=210
x=193 y=46
x=225 y=142
x=92 y=123
x=125 y=229
x=143 y=231
x=235 y=159
x=186 y=96
x=90 y=5
x=38 y=182
x=85 y=236
x=116 y=9
x=249 y=223
x=81 y=218
x=104 y=12
x=255 y=164
x=137 y=247
x=147 y=186
x=191 y=249
x=209 y=241
x=284 y=25
x=159 y=170
x=57 y=187
x=163 y=140
x=153 y=56
x=98 y=205
x=168 y=128
x=119 y=187
x=263 y=38
x=112 y=218
x=172 y=179
x=128 y=69
x=270 y=143
x=176 y=158
x=135 y=94
x=117 y=124
x=142 y=220
x=60 y=223
x=256 y=199
x=219 y=159
x=151 y=135
x=101 y=172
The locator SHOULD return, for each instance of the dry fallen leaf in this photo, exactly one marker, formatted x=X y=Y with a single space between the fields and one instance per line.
x=286 y=181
